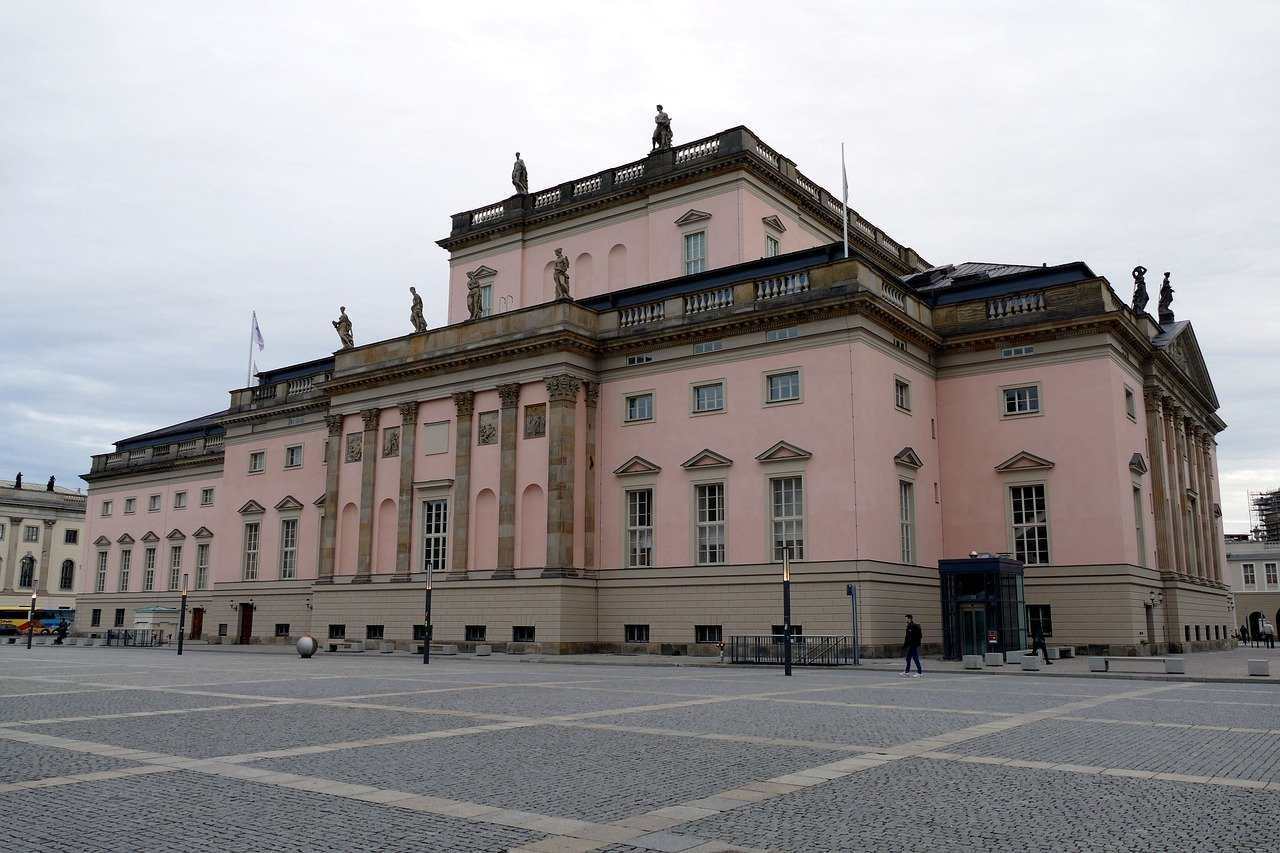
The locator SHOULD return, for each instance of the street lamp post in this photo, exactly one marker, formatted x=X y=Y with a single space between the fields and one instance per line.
x=182 y=614
x=426 y=634
x=786 y=611
x=31 y=619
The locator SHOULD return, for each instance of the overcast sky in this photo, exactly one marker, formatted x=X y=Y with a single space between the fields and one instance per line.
x=167 y=167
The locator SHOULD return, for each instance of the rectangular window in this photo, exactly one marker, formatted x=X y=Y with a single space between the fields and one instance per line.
x=781 y=334
x=337 y=632
x=474 y=633
x=179 y=500
x=1024 y=400
x=95 y=617
x=288 y=548
x=69 y=537
x=783 y=387
x=106 y=509
x=31 y=533
x=1 y=532
x=293 y=456
x=1270 y=569
x=639 y=528
x=771 y=246
x=206 y=497
x=282 y=629
x=202 y=566
x=1015 y=352
x=704 y=347
x=1030 y=524
x=695 y=252
x=435 y=534
x=907 y=520
x=708 y=398
x=149 y=570
x=119 y=620
x=67 y=577
x=1138 y=527
x=1038 y=616
x=486 y=300
x=710 y=523
x=1250 y=576
x=250 y=567
x=707 y=633
x=522 y=634
x=257 y=461
x=175 y=567
x=126 y=561
x=419 y=633
x=787 y=513
x=153 y=503
x=100 y=577
x=373 y=632
x=1130 y=404
x=902 y=395
x=641 y=358
x=635 y=633
x=130 y=506
x=639 y=407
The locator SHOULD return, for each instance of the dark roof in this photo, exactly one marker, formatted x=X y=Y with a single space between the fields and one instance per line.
x=204 y=425
x=1168 y=333
x=295 y=371
x=976 y=280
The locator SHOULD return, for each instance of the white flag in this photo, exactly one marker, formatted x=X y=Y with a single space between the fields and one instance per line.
x=257 y=333
x=844 y=211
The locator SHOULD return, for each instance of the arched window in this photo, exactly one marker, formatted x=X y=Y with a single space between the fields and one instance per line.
x=68 y=575
x=27 y=572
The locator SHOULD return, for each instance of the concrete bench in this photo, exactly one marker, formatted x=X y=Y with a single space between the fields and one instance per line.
x=484 y=651
x=1175 y=665
x=994 y=659
x=346 y=645
x=1065 y=651
x=1260 y=667
x=444 y=649
x=973 y=661
x=1031 y=663
x=1016 y=655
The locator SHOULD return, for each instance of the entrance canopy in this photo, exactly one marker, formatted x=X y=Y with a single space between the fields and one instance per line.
x=982 y=606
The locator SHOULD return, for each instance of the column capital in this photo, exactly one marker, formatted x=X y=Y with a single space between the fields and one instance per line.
x=1152 y=400
x=334 y=423
x=370 y=418
x=409 y=411
x=563 y=388
x=465 y=402
x=16 y=519
x=50 y=522
x=592 y=393
x=509 y=395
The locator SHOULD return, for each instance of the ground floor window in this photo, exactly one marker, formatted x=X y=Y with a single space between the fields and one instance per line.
x=65 y=581
x=282 y=629
x=337 y=632
x=522 y=634
x=1039 y=616
x=26 y=572
x=635 y=633
x=474 y=633
x=95 y=618
x=435 y=532
x=119 y=623
x=419 y=632
x=373 y=632
x=707 y=633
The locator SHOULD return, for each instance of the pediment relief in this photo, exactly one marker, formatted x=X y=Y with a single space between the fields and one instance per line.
x=1024 y=460
x=784 y=451
x=1184 y=351
x=908 y=457
x=102 y=542
x=775 y=223
x=251 y=508
x=1137 y=464
x=707 y=459
x=636 y=465
x=176 y=535
x=202 y=533
x=150 y=536
x=289 y=502
x=692 y=216
x=125 y=539
x=482 y=271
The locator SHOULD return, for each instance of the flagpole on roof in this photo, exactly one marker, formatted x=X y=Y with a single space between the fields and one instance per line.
x=255 y=337
x=844 y=210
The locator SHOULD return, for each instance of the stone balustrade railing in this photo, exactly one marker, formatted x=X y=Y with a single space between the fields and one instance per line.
x=697 y=150
x=264 y=392
x=638 y=315
x=545 y=198
x=489 y=214
x=588 y=185
x=1008 y=306
x=628 y=173
x=895 y=295
x=157 y=453
x=708 y=300
x=782 y=285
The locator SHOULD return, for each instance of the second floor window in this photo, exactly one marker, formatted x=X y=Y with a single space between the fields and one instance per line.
x=153 y=503
x=771 y=246
x=100 y=577
x=1250 y=576
x=27 y=572
x=783 y=387
x=435 y=534
x=257 y=461
x=902 y=395
x=179 y=500
x=202 y=566
x=67 y=579
x=1030 y=517
x=106 y=509
x=1022 y=401
x=70 y=537
x=640 y=528
x=126 y=560
x=206 y=497
x=31 y=533
x=250 y=566
x=708 y=398
x=695 y=252
x=710 y=523
x=130 y=506
x=1270 y=569
x=787 y=511
x=293 y=456
x=639 y=407
x=288 y=548
x=907 y=520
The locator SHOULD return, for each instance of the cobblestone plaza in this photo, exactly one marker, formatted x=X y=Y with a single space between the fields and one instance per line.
x=115 y=749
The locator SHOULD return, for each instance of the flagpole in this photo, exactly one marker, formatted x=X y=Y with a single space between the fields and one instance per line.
x=844 y=212
x=248 y=371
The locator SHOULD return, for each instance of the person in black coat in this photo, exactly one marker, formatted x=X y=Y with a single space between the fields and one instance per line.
x=1038 y=645
x=911 y=647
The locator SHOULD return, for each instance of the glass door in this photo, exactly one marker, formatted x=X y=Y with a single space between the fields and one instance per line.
x=973 y=629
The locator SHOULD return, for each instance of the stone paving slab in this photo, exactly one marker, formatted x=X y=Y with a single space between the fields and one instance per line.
x=22 y=761
x=529 y=700
x=1252 y=715
x=84 y=704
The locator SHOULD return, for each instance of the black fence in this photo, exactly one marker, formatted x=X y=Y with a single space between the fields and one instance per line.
x=806 y=650
x=135 y=637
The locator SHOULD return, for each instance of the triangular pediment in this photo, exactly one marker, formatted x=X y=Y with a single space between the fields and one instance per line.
x=289 y=502
x=176 y=534
x=1024 y=460
x=784 y=451
x=150 y=536
x=482 y=271
x=707 y=459
x=202 y=533
x=1184 y=351
x=636 y=465
x=251 y=508
x=125 y=539
x=692 y=216
x=318 y=501
x=775 y=223
x=1137 y=464
x=907 y=456
x=102 y=542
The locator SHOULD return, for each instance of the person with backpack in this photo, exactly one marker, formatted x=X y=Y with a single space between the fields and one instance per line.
x=1038 y=645
x=911 y=648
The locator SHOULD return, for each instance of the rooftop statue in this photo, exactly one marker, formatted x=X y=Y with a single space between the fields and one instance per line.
x=520 y=176
x=561 y=273
x=343 y=327
x=415 y=312
x=1140 y=298
x=49 y=486
x=475 y=300
x=17 y=482
x=661 y=131
x=1166 y=301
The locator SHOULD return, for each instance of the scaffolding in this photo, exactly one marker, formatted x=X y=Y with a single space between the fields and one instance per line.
x=1264 y=516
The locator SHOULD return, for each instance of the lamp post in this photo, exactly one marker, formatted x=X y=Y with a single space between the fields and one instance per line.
x=786 y=611
x=426 y=634
x=31 y=619
x=182 y=613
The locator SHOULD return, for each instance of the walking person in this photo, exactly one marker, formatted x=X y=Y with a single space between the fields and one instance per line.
x=1038 y=645
x=911 y=648
x=1244 y=634
x=1269 y=633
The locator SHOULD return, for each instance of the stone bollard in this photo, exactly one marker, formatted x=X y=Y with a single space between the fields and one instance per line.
x=994 y=658
x=1031 y=663
x=1260 y=668
x=973 y=661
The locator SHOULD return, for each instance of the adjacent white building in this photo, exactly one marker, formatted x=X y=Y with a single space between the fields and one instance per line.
x=1253 y=571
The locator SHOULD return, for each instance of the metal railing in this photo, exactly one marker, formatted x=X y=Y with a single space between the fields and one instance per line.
x=135 y=637
x=806 y=650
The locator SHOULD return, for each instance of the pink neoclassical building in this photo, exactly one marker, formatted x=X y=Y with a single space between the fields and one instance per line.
x=627 y=465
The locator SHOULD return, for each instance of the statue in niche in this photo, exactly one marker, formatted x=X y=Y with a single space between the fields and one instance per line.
x=415 y=312
x=1140 y=298
x=561 y=275
x=520 y=176
x=1166 y=301
x=342 y=326
x=661 y=130
x=475 y=299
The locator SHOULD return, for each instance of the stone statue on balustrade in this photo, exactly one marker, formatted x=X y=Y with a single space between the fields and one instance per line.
x=17 y=481
x=342 y=326
x=561 y=274
x=475 y=299
x=520 y=176
x=415 y=312
x=1166 y=302
x=1140 y=298
x=661 y=130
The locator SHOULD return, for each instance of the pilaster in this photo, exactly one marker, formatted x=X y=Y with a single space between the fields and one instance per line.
x=460 y=525
x=1219 y=547
x=507 y=434
x=1205 y=506
x=1178 y=488
x=1165 y=558
x=592 y=395
x=11 y=560
x=562 y=404
x=329 y=516
x=404 y=506
x=46 y=549
x=368 y=467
